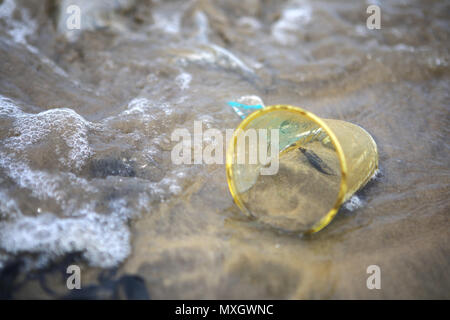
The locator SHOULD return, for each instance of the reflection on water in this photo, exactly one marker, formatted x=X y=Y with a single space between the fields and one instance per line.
x=86 y=119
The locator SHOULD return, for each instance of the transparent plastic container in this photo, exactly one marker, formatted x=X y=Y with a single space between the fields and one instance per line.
x=321 y=164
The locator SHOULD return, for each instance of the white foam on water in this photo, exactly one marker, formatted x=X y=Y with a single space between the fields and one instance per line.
x=202 y=22
x=226 y=59
x=71 y=147
x=353 y=203
x=249 y=22
x=376 y=175
x=94 y=15
x=42 y=184
x=7 y=8
x=168 y=24
x=251 y=100
x=214 y=55
x=167 y=18
x=64 y=123
x=137 y=106
x=8 y=207
x=103 y=238
x=171 y=185
x=183 y=80
x=295 y=15
x=144 y=107
x=19 y=30
x=7 y=107
x=76 y=224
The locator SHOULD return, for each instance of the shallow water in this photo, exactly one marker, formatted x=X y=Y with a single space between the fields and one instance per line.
x=86 y=119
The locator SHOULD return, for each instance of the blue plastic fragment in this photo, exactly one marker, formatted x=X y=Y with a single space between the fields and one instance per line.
x=243 y=110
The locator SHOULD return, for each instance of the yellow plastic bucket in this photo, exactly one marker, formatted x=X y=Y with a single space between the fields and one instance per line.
x=321 y=164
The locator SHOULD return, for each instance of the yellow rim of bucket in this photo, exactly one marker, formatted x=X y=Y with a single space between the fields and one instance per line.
x=343 y=164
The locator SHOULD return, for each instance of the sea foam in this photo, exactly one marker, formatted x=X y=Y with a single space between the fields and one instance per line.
x=61 y=134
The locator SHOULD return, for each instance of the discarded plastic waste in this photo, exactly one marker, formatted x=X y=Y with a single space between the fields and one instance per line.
x=244 y=110
x=322 y=163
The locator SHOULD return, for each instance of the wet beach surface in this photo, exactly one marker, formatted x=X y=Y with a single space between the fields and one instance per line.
x=85 y=140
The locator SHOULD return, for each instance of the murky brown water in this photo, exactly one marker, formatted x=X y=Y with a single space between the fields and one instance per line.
x=86 y=119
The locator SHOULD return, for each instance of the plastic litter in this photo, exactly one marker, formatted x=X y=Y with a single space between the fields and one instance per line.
x=321 y=164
